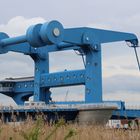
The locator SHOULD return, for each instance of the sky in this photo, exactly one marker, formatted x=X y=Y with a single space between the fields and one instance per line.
x=121 y=77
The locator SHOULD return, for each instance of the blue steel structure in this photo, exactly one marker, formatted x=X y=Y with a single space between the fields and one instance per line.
x=69 y=113
x=40 y=40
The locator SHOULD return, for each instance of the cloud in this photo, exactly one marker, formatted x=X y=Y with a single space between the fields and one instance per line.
x=18 y=25
x=59 y=61
x=123 y=83
x=129 y=97
x=15 y=65
x=71 y=93
x=5 y=100
x=123 y=24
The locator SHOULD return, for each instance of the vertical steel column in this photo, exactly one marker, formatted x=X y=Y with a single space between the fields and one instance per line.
x=41 y=66
x=93 y=83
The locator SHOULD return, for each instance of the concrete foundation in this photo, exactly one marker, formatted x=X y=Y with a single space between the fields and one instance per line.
x=94 y=116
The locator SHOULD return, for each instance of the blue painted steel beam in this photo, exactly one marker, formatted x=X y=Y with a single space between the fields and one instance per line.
x=13 y=41
x=24 y=86
x=27 y=49
x=96 y=36
x=66 y=78
x=93 y=83
x=20 y=48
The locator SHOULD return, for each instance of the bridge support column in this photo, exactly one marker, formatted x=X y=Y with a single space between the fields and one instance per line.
x=93 y=80
x=41 y=66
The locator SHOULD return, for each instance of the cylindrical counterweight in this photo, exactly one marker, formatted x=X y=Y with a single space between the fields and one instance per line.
x=37 y=35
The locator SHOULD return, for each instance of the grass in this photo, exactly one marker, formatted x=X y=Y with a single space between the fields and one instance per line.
x=39 y=130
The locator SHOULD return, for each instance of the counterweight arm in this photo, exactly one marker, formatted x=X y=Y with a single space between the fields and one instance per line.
x=84 y=36
x=53 y=33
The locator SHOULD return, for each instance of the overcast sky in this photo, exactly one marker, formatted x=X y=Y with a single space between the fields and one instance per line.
x=121 y=77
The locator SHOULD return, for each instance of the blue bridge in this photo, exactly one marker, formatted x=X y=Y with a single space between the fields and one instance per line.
x=38 y=42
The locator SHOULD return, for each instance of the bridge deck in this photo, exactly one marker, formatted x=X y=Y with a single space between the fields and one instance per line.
x=67 y=111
